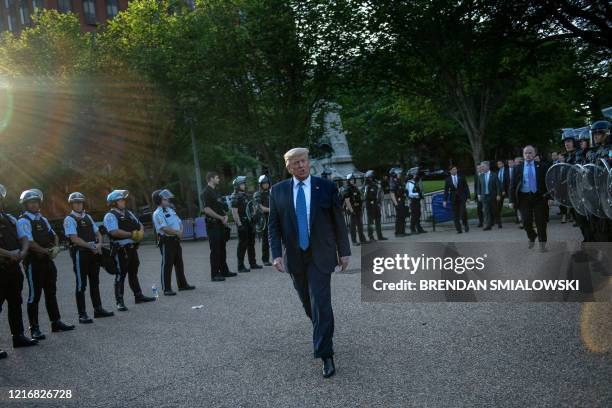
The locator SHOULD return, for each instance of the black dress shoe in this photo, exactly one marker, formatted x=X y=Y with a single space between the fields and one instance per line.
x=101 y=312
x=499 y=226
x=121 y=306
x=36 y=333
x=3 y=354
x=382 y=239
x=256 y=266
x=267 y=263
x=22 y=341
x=143 y=299
x=243 y=269
x=459 y=232
x=169 y=293
x=329 y=368
x=217 y=279
x=84 y=319
x=229 y=274
x=479 y=225
x=467 y=229
x=60 y=326
x=187 y=287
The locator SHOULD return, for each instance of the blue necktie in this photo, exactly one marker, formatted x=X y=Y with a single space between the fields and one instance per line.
x=302 y=217
x=486 y=180
x=532 y=181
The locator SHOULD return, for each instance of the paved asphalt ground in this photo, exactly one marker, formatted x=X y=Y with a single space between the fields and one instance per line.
x=250 y=346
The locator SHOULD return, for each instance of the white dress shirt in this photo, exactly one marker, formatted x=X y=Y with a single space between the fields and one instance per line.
x=306 y=187
x=455 y=180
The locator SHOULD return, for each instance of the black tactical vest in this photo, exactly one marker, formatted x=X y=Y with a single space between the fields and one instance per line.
x=125 y=222
x=85 y=229
x=40 y=232
x=8 y=234
x=354 y=196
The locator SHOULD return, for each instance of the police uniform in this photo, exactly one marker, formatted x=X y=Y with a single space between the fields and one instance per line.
x=246 y=231
x=353 y=194
x=371 y=192
x=125 y=253
x=170 y=248
x=85 y=263
x=415 y=196
x=216 y=234
x=41 y=272
x=399 y=190
x=11 y=279
x=601 y=228
x=262 y=197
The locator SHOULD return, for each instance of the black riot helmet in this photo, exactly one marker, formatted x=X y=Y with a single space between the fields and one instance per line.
x=159 y=195
x=369 y=174
x=238 y=181
x=263 y=179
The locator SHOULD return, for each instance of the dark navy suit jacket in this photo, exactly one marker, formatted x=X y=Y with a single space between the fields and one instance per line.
x=328 y=233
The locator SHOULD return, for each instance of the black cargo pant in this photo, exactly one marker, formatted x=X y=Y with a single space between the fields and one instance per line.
x=126 y=258
x=400 y=217
x=11 y=284
x=246 y=243
x=216 y=239
x=356 y=225
x=374 y=219
x=172 y=257
x=42 y=275
x=86 y=266
x=265 y=246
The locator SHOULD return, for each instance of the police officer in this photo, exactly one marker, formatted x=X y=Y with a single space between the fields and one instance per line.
x=216 y=227
x=373 y=194
x=398 y=197
x=169 y=228
x=246 y=230
x=41 y=270
x=125 y=232
x=415 y=195
x=262 y=198
x=601 y=227
x=584 y=144
x=568 y=138
x=13 y=249
x=353 y=202
x=85 y=251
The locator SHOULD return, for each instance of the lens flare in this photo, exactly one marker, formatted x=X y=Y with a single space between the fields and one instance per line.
x=6 y=105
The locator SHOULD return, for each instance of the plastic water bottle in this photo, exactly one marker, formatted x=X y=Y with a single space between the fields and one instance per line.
x=155 y=291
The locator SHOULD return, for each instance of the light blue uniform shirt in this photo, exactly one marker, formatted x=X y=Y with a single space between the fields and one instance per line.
x=111 y=223
x=20 y=232
x=24 y=228
x=70 y=224
x=167 y=218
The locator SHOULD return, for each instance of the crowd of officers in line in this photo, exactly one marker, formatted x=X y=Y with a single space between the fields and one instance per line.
x=29 y=243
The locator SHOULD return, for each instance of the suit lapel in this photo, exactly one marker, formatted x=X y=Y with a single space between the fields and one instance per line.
x=292 y=213
x=314 y=198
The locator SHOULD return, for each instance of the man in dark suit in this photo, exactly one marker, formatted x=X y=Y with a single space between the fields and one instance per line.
x=529 y=194
x=489 y=194
x=503 y=176
x=457 y=192
x=308 y=239
x=477 y=193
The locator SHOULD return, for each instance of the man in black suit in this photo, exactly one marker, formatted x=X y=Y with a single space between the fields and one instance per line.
x=477 y=193
x=489 y=194
x=457 y=191
x=503 y=176
x=529 y=194
x=308 y=239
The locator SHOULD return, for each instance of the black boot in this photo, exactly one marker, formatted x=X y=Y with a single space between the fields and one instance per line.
x=59 y=326
x=169 y=293
x=121 y=306
x=267 y=263
x=3 y=354
x=84 y=319
x=243 y=269
x=140 y=298
x=187 y=287
x=36 y=333
x=256 y=266
x=22 y=341
x=101 y=312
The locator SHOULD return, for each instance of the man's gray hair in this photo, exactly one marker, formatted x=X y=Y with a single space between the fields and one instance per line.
x=295 y=152
x=485 y=162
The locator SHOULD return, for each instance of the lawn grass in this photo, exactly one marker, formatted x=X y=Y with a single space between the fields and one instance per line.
x=437 y=185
